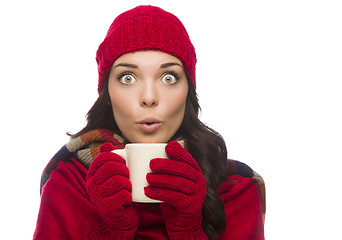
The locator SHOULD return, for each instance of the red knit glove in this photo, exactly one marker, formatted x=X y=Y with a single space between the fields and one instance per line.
x=180 y=184
x=110 y=189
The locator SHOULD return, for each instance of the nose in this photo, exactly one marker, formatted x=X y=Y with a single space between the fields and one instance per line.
x=149 y=95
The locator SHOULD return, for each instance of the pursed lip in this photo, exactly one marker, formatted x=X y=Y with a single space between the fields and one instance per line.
x=149 y=124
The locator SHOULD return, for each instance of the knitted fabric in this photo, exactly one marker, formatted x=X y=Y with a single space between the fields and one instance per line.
x=180 y=184
x=87 y=146
x=83 y=148
x=238 y=168
x=109 y=188
x=146 y=28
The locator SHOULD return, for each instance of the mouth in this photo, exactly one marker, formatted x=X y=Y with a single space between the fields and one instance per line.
x=149 y=125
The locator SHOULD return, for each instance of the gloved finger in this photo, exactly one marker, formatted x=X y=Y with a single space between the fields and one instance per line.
x=180 y=201
x=108 y=170
x=107 y=147
x=172 y=167
x=170 y=182
x=101 y=159
x=110 y=187
x=165 y=195
x=175 y=151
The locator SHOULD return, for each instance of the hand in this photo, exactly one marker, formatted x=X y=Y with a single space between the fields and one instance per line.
x=110 y=189
x=180 y=184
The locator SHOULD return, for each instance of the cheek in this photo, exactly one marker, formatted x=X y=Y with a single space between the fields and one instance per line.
x=176 y=110
x=180 y=110
x=120 y=106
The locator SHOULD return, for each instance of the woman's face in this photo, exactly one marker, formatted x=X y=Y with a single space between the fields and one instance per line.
x=148 y=91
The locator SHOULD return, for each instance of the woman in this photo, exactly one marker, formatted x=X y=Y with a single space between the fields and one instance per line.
x=147 y=93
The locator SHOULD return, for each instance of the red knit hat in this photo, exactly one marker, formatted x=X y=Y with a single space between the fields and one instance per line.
x=146 y=28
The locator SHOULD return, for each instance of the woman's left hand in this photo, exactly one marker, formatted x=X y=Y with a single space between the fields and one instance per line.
x=180 y=184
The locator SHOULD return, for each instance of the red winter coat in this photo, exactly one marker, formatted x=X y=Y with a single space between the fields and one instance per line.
x=66 y=211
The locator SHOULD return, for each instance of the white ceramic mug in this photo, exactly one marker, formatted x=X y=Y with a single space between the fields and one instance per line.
x=138 y=157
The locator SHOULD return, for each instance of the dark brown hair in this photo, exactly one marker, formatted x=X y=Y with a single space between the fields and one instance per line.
x=203 y=143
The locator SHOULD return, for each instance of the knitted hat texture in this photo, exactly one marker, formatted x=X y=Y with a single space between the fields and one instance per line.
x=146 y=28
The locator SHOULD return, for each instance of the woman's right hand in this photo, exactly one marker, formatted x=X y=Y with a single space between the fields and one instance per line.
x=109 y=188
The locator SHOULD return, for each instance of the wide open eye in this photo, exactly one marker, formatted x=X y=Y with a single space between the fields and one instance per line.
x=169 y=79
x=127 y=79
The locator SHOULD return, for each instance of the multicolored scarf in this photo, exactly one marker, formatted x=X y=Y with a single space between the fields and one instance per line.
x=87 y=146
x=83 y=148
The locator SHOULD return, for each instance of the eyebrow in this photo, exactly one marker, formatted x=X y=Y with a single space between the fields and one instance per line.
x=126 y=65
x=164 y=65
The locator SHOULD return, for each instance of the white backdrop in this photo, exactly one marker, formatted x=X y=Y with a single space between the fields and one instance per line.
x=269 y=80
